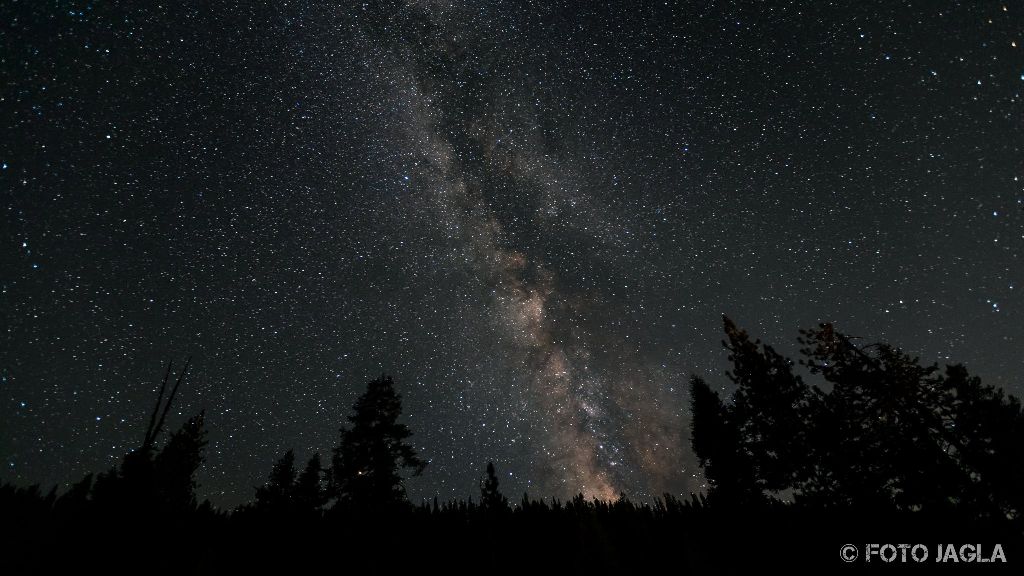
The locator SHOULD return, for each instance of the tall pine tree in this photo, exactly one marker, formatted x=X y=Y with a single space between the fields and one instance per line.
x=367 y=462
x=309 y=495
x=491 y=499
x=276 y=495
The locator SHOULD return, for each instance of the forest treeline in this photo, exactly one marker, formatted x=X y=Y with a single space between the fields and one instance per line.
x=880 y=448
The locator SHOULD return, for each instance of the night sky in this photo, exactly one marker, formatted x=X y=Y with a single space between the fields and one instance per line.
x=532 y=215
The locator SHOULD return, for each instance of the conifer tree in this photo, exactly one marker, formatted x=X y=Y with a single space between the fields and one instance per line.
x=310 y=494
x=178 y=462
x=276 y=495
x=491 y=499
x=367 y=462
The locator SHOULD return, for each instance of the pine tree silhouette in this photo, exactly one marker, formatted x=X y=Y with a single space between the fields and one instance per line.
x=309 y=493
x=769 y=408
x=491 y=499
x=176 y=465
x=275 y=496
x=716 y=441
x=366 y=466
x=885 y=444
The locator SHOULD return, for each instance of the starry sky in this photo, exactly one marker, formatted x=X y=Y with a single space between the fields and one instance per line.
x=531 y=214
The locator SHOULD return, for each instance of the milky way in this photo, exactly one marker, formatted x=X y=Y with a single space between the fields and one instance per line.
x=532 y=215
x=581 y=446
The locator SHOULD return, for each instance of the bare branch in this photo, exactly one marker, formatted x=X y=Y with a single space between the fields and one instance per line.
x=148 y=440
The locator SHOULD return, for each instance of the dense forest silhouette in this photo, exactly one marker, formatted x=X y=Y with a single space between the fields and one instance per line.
x=881 y=449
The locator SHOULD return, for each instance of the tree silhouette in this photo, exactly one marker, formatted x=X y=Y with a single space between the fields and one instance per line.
x=715 y=437
x=366 y=464
x=769 y=410
x=491 y=499
x=153 y=481
x=177 y=463
x=275 y=496
x=75 y=501
x=989 y=430
x=899 y=434
x=873 y=443
x=889 y=433
x=290 y=493
x=310 y=495
x=750 y=449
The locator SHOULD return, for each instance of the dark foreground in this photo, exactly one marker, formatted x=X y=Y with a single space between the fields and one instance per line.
x=575 y=537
